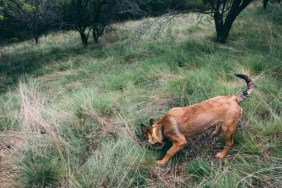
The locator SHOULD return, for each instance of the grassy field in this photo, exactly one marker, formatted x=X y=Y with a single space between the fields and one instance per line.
x=70 y=117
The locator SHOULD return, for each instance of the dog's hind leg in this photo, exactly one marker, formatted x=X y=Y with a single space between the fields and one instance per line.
x=228 y=131
x=178 y=142
x=229 y=143
x=217 y=131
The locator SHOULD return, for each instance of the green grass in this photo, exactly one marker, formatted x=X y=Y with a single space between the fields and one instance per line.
x=39 y=167
x=77 y=111
x=199 y=168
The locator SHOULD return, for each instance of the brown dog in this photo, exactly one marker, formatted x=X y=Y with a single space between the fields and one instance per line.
x=180 y=123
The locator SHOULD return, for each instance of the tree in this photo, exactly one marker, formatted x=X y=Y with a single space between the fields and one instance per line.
x=224 y=13
x=76 y=15
x=98 y=26
x=8 y=27
x=85 y=16
x=36 y=15
x=113 y=11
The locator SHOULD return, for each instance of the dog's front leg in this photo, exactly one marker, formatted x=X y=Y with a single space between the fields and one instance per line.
x=176 y=146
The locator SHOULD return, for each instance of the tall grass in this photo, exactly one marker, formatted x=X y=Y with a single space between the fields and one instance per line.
x=78 y=111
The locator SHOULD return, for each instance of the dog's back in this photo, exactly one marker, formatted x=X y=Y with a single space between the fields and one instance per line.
x=195 y=119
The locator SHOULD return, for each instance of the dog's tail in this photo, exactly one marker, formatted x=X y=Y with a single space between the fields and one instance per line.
x=250 y=87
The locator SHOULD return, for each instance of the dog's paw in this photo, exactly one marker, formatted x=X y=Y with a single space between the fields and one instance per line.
x=220 y=155
x=160 y=163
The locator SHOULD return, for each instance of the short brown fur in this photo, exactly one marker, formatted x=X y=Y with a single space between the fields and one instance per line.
x=181 y=123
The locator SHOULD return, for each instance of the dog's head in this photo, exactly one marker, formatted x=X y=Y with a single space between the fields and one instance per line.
x=148 y=132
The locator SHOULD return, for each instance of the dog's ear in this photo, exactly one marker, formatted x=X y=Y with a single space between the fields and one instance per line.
x=152 y=121
x=144 y=129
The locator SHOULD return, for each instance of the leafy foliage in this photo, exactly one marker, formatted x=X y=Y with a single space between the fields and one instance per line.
x=36 y=15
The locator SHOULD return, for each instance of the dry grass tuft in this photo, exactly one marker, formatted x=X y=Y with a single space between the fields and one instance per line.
x=174 y=176
x=9 y=141
x=36 y=119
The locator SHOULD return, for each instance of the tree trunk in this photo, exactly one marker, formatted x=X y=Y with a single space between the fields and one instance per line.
x=96 y=39
x=36 y=38
x=218 y=20
x=223 y=34
x=223 y=27
x=95 y=35
x=98 y=30
x=84 y=39
x=264 y=2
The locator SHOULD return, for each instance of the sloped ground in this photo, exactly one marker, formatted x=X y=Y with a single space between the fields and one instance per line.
x=80 y=108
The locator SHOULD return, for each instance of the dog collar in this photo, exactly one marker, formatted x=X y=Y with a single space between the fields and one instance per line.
x=154 y=134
